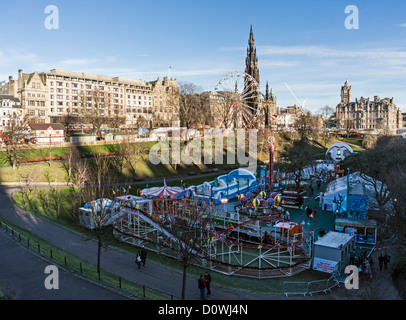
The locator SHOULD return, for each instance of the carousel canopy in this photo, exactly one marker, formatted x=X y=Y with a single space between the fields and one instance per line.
x=162 y=192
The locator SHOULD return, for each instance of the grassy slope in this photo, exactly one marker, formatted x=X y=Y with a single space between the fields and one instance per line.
x=39 y=172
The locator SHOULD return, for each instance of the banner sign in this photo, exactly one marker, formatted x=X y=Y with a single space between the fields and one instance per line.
x=324 y=265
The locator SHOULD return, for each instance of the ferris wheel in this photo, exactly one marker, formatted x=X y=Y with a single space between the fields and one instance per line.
x=238 y=99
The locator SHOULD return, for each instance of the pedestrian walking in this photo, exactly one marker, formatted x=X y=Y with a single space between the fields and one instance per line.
x=207 y=279
x=363 y=269
x=138 y=260
x=143 y=256
x=314 y=212
x=368 y=270
x=371 y=262
x=202 y=286
x=308 y=211
x=380 y=260
x=386 y=260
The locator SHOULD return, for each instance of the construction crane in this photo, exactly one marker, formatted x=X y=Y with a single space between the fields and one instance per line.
x=301 y=104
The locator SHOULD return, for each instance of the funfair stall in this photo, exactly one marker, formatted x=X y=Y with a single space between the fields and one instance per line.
x=365 y=231
x=332 y=251
x=227 y=186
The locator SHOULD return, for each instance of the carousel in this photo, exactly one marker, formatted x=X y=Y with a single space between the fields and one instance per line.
x=256 y=239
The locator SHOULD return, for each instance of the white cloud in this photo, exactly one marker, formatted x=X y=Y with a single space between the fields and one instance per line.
x=327 y=52
x=79 y=62
x=15 y=56
x=402 y=25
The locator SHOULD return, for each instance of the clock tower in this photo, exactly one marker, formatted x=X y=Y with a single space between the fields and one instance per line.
x=346 y=93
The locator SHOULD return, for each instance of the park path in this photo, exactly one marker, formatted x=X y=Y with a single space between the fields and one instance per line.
x=22 y=277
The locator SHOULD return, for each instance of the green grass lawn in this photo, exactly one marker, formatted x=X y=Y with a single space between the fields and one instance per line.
x=40 y=172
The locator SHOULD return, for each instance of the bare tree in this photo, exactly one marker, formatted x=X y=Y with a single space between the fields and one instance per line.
x=326 y=113
x=296 y=157
x=69 y=120
x=348 y=125
x=190 y=231
x=13 y=138
x=397 y=217
x=97 y=187
x=369 y=141
x=307 y=125
x=384 y=168
x=71 y=156
x=189 y=102
x=223 y=108
x=98 y=108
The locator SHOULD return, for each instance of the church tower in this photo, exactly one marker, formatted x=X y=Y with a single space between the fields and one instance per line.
x=269 y=107
x=251 y=68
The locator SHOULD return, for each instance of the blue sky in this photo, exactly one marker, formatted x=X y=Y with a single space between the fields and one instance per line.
x=302 y=43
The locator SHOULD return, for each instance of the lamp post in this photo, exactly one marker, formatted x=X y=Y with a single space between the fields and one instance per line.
x=271 y=160
x=224 y=201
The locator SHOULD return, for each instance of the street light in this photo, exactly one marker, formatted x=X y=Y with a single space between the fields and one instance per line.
x=224 y=201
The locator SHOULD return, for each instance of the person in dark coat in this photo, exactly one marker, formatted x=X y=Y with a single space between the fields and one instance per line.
x=202 y=286
x=380 y=260
x=138 y=260
x=207 y=279
x=386 y=260
x=143 y=256
x=371 y=262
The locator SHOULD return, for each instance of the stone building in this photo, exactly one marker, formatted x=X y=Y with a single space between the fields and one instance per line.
x=10 y=109
x=269 y=108
x=286 y=117
x=57 y=95
x=3 y=87
x=377 y=115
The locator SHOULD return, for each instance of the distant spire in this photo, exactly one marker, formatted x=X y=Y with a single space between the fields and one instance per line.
x=251 y=41
x=251 y=68
x=267 y=91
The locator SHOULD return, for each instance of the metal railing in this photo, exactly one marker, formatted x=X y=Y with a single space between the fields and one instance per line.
x=311 y=287
x=88 y=270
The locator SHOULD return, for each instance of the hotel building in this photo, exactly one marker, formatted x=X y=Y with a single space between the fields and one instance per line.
x=377 y=115
x=53 y=96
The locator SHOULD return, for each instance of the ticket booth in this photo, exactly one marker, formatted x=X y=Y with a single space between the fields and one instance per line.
x=332 y=251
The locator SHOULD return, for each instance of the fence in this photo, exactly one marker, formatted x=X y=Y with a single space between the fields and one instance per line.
x=87 y=270
x=311 y=287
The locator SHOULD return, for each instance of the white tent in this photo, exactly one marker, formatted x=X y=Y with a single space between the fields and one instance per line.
x=337 y=190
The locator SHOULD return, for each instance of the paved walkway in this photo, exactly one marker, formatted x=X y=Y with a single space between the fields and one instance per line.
x=22 y=277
